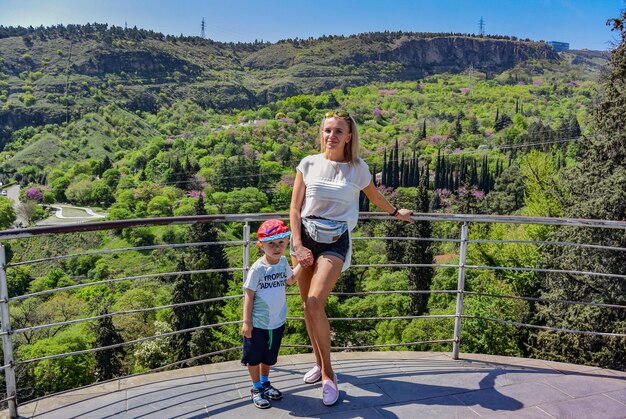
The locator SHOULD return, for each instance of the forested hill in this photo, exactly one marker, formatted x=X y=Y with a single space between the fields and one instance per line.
x=48 y=75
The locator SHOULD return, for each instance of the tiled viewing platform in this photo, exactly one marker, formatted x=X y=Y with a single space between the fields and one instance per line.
x=372 y=385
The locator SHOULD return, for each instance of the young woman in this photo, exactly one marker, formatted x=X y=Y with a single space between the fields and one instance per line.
x=324 y=210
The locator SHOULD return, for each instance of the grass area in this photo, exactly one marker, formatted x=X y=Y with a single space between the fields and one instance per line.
x=74 y=212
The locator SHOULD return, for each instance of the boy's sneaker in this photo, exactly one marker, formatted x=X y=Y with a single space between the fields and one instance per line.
x=330 y=392
x=271 y=392
x=258 y=398
x=314 y=375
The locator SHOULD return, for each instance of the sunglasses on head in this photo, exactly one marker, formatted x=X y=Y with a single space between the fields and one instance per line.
x=337 y=114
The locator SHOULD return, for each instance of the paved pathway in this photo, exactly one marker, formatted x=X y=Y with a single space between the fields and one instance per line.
x=90 y=213
x=372 y=385
x=59 y=218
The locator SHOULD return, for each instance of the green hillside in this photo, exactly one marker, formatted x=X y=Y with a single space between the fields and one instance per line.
x=143 y=125
x=50 y=75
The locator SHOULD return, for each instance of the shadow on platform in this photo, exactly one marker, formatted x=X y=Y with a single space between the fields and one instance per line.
x=371 y=384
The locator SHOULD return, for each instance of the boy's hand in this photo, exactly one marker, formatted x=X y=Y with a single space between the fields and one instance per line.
x=246 y=329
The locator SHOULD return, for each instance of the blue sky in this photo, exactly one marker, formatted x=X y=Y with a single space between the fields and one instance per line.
x=579 y=22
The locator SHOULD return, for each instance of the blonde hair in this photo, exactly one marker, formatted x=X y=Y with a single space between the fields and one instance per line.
x=351 y=150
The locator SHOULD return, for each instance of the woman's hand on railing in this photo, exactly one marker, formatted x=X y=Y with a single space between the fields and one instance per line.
x=405 y=215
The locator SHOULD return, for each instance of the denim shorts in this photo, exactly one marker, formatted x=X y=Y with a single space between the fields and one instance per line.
x=339 y=248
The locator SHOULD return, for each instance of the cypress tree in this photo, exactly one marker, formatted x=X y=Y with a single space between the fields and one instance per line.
x=224 y=179
x=437 y=183
x=419 y=252
x=105 y=165
x=206 y=285
x=458 y=128
x=256 y=179
x=416 y=171
x=241 y=179
x=172 y=175
x=473 y=174
x=462 y=171
x=184 y=317
x=574 y=127
x=384 y=179
x=443 y=172
x=110 y=361
x=396 y=166
x=412 y=172
x=405 y=172
x=483 y=184
x=597 y=188
x=394 y=248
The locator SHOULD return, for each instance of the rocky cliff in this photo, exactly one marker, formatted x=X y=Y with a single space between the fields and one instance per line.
x=47 y=74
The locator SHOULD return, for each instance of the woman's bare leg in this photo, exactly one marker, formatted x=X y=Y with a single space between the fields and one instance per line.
x=325 y=276
x=304 y=283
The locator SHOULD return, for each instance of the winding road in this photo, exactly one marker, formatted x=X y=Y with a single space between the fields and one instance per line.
x=13 y=193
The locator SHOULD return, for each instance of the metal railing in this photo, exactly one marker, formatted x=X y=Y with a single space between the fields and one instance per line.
x=460 y=292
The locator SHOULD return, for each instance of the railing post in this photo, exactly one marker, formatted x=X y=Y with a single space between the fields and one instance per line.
x=459 y=293
x=246 y=250
x=5 y=329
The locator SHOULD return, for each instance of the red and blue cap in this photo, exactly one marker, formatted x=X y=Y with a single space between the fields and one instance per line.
x=272 y=229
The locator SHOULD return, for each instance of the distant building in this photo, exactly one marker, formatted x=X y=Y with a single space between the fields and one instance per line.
x=559 y=46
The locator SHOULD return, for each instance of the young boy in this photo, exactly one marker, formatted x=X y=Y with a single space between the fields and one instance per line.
x=265 y=309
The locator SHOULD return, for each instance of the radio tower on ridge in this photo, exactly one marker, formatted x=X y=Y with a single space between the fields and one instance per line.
x=481 y=26
x=202 y=26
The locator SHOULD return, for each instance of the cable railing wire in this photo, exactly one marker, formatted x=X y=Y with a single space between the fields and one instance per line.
x=381 y=345
x=554 y=329
x=210 y=326
x=245 y=218
x=126 y=312
x=552 y=243
x=146 y=372
x=556 y=271
x=219 y=299
x=545 y=300
x=130 y=342
x=125 y=249
x=128 y=278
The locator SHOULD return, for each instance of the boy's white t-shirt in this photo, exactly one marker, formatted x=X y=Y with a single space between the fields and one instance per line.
x=269 y=308
x=332 y=188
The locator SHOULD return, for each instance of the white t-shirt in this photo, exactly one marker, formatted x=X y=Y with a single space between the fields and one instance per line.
x=332 y=191
x=269 y=308
x=332 y=188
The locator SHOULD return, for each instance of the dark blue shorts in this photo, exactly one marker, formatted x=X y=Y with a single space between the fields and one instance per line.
x=262 y=347
x=339 y=248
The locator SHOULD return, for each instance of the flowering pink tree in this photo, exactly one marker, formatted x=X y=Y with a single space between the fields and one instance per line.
x=478 y=194
x=33 y=194
x=247 y=150
x=388 y=191
x=196 y=194
x=438 y=139
x=287 y=180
